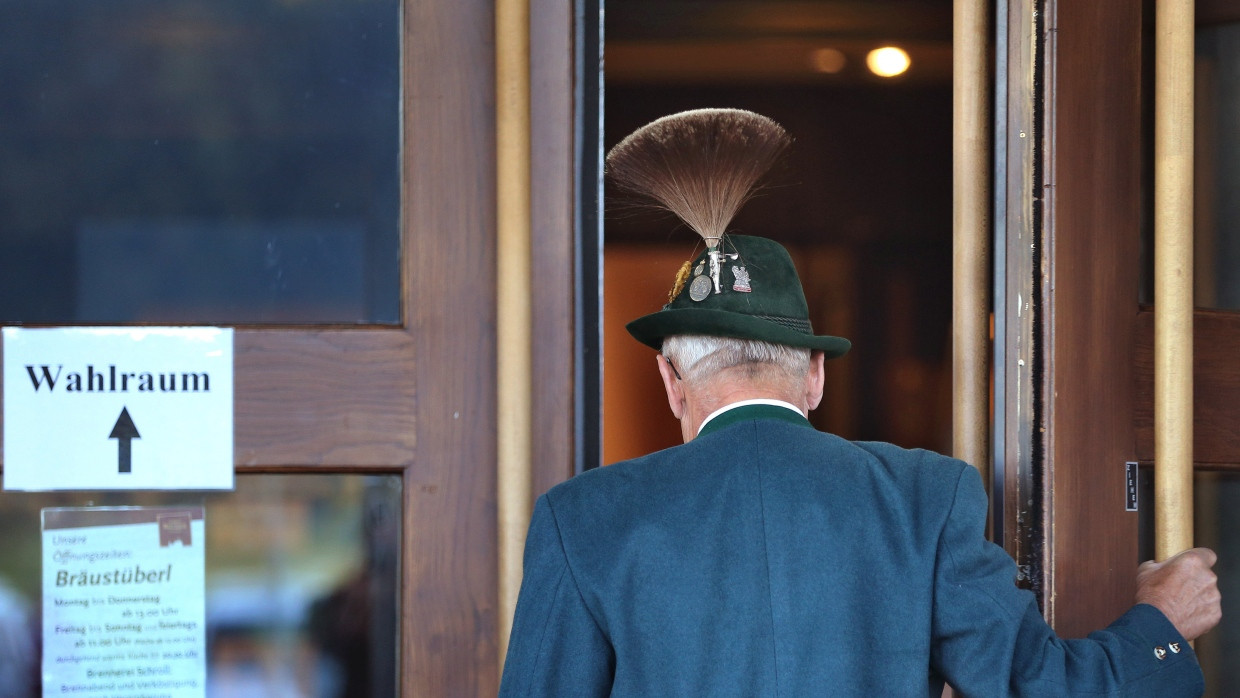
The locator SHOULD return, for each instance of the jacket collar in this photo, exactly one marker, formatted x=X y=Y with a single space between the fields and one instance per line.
x=741 y=413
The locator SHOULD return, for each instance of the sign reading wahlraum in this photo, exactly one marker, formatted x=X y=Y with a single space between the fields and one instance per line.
x=118 y=408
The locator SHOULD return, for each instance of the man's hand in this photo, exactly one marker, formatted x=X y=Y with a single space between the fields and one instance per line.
x=1185 y=589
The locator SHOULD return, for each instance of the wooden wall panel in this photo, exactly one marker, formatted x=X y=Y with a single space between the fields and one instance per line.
x=1216 y=388
x=1092 y=219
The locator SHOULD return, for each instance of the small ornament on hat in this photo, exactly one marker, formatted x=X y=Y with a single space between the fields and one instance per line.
x=742 y=279
x=682 y=275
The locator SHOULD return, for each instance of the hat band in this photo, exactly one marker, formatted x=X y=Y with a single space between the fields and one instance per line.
x=792 y=323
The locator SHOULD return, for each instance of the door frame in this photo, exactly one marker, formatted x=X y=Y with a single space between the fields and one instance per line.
x=1067 y=286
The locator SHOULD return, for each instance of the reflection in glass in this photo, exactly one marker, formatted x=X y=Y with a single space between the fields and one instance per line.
x=1216 y=164
x=184 y=162
x=301 y=587
x=1216 y=522
x=1217 y=151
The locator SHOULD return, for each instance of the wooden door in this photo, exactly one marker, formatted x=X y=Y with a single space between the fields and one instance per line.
x=1074 y=341
x=1067 y=303
x=420 y=399
x=417 y=399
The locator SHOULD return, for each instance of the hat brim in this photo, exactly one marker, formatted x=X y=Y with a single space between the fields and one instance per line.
x=651 y=329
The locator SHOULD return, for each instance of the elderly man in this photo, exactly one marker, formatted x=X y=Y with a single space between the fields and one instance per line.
x=765 y=558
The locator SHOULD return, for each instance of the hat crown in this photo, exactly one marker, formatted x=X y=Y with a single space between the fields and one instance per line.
x=768 y=306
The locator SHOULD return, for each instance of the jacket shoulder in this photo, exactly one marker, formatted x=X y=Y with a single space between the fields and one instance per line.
x=915 y=462
x=606 y=483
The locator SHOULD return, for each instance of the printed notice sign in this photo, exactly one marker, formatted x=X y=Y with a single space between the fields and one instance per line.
x=118 y=408
x=123 y=602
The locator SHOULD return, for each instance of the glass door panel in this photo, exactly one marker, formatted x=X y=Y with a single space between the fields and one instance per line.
x=1217 y=147
x=301 y=583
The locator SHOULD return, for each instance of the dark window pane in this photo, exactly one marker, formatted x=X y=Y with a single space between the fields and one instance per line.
x=1217 y=150
x=183 y=161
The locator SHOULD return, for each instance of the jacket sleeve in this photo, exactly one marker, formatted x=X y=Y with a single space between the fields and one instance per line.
x=556 y=647
x=991 y=640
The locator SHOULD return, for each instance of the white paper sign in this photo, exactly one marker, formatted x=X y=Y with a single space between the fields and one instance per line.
x=118 y=408
x=124 y=614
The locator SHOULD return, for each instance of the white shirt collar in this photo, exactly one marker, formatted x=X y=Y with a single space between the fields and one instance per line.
x=743 y=403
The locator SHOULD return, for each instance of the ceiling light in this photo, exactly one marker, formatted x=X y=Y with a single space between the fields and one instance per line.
x=887 y=61
x=828 y=60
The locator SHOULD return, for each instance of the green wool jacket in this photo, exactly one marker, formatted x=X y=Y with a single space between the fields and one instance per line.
x=765 y=558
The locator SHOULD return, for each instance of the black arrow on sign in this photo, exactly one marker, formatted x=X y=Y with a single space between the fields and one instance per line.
x=123 y=432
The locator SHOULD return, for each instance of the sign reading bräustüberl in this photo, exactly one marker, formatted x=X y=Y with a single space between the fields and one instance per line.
x=123 y=602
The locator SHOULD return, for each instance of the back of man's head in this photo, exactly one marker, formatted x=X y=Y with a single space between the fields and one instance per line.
x=701 y=358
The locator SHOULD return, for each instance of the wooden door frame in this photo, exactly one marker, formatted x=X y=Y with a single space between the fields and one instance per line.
x=1092 y=224
x=449 y=595
x=420 y=399
x=1069 y=288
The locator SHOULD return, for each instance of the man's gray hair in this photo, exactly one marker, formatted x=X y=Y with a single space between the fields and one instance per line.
x=697 y=357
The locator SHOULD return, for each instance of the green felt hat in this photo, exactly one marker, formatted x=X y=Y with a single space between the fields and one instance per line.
x=757 y=295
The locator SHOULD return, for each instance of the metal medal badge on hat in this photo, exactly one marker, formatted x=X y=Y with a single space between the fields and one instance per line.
x=704 y=284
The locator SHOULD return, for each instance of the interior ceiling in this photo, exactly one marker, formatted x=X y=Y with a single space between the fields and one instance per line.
x=704 y=41
x=629 y=20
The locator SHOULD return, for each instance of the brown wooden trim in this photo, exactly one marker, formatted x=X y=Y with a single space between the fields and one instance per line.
x=448 y=586
x=1092 y=218
x=552 y=255
x=326 y=398
x=1216 y=388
